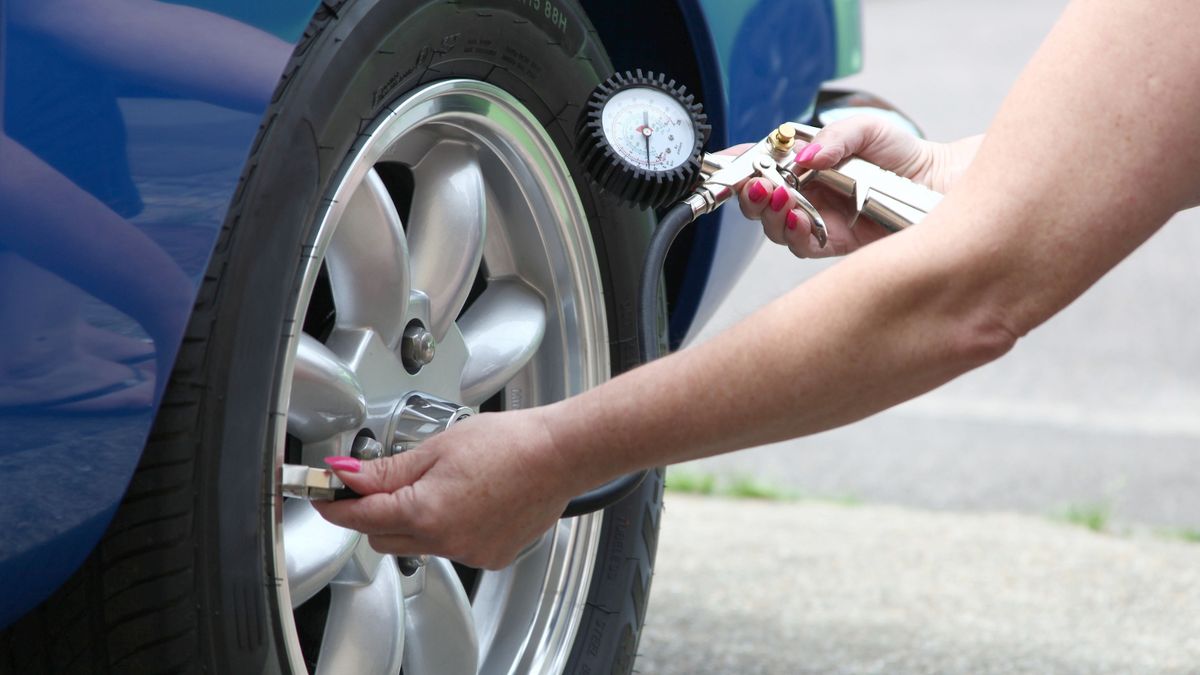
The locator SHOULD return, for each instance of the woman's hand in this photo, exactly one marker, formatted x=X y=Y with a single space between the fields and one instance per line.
x=477 y=493
x=935 y=165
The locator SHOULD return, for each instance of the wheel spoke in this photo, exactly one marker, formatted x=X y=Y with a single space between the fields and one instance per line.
x=446 y=229
x=503 y=330
x=364 y=632
x=326 y=397
x=438 y=626
x=316 y=549
x=506 y=601
x=368 y=263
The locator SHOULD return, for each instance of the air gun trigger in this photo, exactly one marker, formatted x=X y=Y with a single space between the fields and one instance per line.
x=770 y=171
x=819 y=230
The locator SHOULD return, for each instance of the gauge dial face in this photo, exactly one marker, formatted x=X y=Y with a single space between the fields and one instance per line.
x=648 y=128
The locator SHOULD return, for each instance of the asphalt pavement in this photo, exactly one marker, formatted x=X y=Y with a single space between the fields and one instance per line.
x=766 y=588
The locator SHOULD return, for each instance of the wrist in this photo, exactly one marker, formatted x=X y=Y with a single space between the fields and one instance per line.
x=951 y=161
x=575 y=445
x=555 y=453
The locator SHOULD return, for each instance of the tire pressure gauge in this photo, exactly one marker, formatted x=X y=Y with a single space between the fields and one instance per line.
x=641 y=138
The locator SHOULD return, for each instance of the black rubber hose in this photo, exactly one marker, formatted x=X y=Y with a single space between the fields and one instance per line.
x=664 y=235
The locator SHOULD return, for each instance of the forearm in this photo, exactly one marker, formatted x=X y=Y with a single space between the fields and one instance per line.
x=1074 y=174
x=851 y=342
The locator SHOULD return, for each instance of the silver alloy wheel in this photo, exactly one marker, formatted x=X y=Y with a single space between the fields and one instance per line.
x=488 y=187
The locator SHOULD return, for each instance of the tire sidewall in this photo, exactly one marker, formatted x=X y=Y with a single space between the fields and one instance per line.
x=355 y=60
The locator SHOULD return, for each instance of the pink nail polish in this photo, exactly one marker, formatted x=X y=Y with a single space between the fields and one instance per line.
x=811 y=150
x=347 y=464
x=779 y=198
x=757 y=192
x=793 y=220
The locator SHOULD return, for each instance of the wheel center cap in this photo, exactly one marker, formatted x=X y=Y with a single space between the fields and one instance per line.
x=420 y=416
x=417 y=417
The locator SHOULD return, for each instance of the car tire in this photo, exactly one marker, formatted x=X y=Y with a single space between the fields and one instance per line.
x=186 y=576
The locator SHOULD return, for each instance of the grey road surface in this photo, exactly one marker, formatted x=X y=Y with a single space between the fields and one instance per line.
x=880 y=590
x=1101 y=406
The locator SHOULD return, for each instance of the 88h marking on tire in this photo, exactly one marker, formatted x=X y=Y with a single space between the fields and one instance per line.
x=557 y=17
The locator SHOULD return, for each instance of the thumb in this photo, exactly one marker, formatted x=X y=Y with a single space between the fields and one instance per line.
x=870 y=137
x=386 y=474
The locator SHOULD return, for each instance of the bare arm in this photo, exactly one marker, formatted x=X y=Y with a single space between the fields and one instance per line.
x=1092 y=152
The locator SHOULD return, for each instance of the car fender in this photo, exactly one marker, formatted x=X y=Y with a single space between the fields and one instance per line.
x=180 y=160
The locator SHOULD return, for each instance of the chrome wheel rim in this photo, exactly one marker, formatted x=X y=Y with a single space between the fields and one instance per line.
x=487 y=294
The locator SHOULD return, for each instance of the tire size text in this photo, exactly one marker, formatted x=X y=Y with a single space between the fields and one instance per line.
x=547 y=9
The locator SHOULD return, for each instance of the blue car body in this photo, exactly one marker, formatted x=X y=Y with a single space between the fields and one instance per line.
x=170 y=166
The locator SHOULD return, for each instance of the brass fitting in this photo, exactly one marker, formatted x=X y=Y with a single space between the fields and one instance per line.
x=783 y=138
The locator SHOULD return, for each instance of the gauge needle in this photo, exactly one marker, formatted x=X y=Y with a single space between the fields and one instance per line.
x=646 y=131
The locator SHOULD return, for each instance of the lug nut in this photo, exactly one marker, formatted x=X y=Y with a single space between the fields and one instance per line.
x=417 y=347
x=366 y=448
x=411 y=565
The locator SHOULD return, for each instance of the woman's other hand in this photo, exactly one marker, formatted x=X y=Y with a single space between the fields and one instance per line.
x=935 y=165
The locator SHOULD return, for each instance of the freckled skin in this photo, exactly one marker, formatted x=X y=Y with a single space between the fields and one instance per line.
x=1079 y=167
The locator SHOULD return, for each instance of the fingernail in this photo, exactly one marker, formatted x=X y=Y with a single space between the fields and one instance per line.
x=757 y=192
x=808 y=152
x=779 y=198
x=347 y=464
x=793 y=220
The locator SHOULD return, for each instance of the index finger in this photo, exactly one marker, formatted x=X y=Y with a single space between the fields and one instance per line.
x=374 y=514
